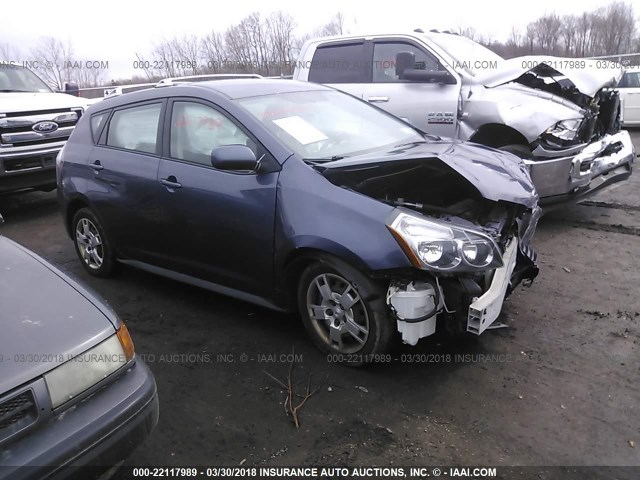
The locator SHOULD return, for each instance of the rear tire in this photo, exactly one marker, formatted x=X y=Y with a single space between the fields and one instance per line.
x=92 y=244
x=344 y=312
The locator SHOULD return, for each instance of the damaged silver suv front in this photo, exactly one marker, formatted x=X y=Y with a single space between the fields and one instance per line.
x=569 y=119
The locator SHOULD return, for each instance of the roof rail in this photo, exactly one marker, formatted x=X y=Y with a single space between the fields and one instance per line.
x=166 y=82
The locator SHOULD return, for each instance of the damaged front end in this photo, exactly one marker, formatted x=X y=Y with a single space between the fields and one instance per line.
x=465 y=217
x=583 y=149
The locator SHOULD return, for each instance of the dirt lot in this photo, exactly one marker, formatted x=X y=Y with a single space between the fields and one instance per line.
x=558 y=387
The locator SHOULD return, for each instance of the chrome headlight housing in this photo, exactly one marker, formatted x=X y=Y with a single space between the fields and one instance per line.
x=564 y=132
x=439 y=246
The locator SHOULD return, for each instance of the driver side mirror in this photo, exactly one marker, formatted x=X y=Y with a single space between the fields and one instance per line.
x=234 y=158
x=406 y=70
x=404 y=61
x=71 y=88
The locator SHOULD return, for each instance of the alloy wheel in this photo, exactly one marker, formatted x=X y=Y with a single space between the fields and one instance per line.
x=338 y=313
x=89 y=244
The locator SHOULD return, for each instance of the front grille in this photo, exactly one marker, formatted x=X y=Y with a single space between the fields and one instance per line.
x=17 y=413
x=16 y=128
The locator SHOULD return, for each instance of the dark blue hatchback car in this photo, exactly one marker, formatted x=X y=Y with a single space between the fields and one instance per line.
x=295 y=196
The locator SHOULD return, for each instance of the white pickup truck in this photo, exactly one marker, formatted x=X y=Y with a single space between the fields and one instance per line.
x=35 y=122
x=562 y=116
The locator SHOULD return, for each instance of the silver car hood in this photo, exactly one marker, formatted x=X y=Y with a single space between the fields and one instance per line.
x=45 y=317
x=587 y=80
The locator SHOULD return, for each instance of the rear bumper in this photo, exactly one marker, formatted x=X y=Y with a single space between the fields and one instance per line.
x=28 y=170
x=573 y=177
x=99 y=432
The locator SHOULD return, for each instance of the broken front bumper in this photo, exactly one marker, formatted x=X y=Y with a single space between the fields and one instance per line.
x=485 y=309
x=582 y=170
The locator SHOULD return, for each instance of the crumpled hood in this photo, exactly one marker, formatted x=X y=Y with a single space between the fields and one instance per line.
x=26 y=101
x=587 y=80
x=496 y=175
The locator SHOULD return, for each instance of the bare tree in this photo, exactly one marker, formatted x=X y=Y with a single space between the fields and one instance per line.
x=186 y=51
x=334 y=27
x=547 y=31
x=280 y=29
x=469 y=32
x=568 y=33
x=54 y=60
x=8 y=52
x=145 y=66
x=214 y=52
x=618 y=27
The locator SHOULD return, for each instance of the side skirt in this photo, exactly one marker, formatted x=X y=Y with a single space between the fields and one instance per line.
x=198 y=282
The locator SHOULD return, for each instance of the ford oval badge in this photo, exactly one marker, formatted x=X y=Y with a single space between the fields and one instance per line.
x=45 y=127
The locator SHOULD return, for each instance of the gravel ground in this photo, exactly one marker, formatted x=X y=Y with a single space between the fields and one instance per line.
x=559 y=386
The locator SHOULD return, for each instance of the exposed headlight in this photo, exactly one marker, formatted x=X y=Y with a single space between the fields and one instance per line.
x=566 y=130
x=85 y=370
x=436 y=245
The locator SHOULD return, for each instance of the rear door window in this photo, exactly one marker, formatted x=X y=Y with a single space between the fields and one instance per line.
x=340 y=63
x=135 y=128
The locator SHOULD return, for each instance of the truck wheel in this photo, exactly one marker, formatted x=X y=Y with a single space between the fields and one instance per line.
x=92 y=245
x=521 y=151
x=344 y=312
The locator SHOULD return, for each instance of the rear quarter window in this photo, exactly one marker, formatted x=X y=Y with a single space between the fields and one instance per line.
x=97 y=122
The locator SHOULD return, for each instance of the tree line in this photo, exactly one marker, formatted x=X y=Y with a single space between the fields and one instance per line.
x=269 y=45
x=608 y=30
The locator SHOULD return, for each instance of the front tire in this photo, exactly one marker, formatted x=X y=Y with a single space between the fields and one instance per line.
x=344 y=312
x=92 y=244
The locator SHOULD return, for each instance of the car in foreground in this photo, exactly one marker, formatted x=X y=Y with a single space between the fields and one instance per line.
x=629 y=88
x=35 y=122
x=561 y=115
x=73 y=394
x=295 y=196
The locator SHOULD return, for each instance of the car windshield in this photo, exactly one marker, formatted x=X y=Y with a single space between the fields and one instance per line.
x=325 y=125
x=15 y=78
x=467 y=54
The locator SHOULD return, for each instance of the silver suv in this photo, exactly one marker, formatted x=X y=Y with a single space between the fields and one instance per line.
x=560 y=115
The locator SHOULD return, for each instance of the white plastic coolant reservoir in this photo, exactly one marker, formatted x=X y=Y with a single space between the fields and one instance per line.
x=410 y=302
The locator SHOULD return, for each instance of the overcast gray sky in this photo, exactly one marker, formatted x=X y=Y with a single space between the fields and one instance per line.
x=114 y=30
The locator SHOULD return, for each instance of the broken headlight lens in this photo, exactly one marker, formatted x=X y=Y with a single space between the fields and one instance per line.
x=440 y=246
x=565 y=131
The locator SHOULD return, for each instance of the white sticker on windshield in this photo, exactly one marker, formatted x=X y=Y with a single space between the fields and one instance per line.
x=300 y=129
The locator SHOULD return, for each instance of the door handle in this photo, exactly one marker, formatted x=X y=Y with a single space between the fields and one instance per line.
x=378 y=99
x=170 y=182
x=97 y=166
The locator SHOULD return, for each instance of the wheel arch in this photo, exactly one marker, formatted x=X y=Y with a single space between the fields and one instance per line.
x=498 y=135
x=71 y=208
x=298 y=259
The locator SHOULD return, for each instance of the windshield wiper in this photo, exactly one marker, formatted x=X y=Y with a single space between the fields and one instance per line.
x=10 y=90
x=324 y=160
